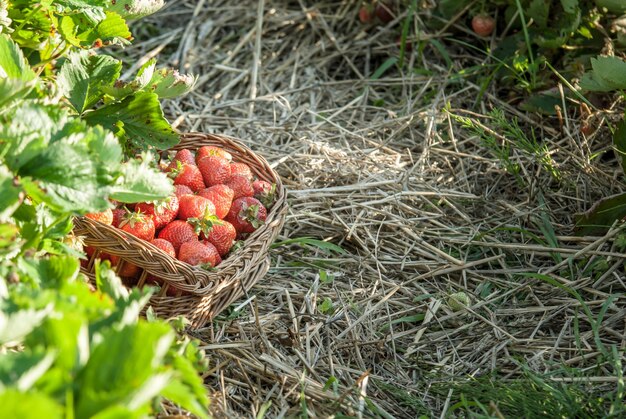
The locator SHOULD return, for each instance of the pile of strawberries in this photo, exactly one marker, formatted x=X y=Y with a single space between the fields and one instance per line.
x=216 y=202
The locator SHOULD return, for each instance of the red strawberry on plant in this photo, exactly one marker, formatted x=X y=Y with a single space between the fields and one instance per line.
x=197 y=253
x=180 y=190
x=240 y=185
x=221 y=196
x=162 y=212
x=483 y=25
x=246 y=214
x=188 y=175
x=183 y=156
x=385 y=11
x=195 y=206
x=214 y=169
x=241 y=169
x=209 y=150
x=104 y=217
x=222 y=236
x=178 y=232
x=264 y=192
x=139 y=225
x=366 y=13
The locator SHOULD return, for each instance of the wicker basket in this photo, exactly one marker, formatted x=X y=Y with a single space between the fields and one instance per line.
x=202 y=294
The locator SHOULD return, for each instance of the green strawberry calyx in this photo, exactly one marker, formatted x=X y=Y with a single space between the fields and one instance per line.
x=250 y=213
x=204 y=224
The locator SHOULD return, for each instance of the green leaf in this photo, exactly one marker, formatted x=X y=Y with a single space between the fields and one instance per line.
x=187 y=389
x=142 y=121
x=133 y=9
x=539 y=10
x=613 y=6
x=32 y=405
x=82 y=77
x=601 y=215
x=23 y=369
x=169 y=83
x=9 y=194
x=16 y=326
x=608 y=73
x=137 y=350
x=570 y=6
x=66 y=187
x=118 y=412
x=68 y=29
x=113 y=26
x=12 y=62
x=139 y=182
x=180 y=394
x=12 y=90
x=67 y=335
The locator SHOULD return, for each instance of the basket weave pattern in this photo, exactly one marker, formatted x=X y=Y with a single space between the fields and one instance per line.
x=206 y=293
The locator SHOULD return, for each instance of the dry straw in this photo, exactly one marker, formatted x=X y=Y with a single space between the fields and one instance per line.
x=202 y=294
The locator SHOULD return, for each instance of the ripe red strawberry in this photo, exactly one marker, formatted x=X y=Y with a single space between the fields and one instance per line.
x=240 y=185
x=105 y=217
x=222 y=236
x=183 y=156
x=162 y=212
x=385 y=11
x=180 y=190
x=165 y=246
x=118 y=215
x=241 y=169
x=221 y=196
x=209 y=150
x=194 y=206
x=366 y=13
x=197 y=253
x=178 y=232
x=483 y=25
x=214 y=169
x=127 y=270
x=188 y=175
x=264 y=192
x=246 y=214
x=139 y=225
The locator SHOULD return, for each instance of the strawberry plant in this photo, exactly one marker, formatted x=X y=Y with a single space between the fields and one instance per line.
x=70 y=131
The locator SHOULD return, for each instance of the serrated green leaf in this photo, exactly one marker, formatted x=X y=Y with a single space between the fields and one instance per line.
x=9 y=194
x=139 y=183
x=113 y=26
x=118 y=412
x=142 y=118
x=138 y=349
x=608 y=73
x=569 y=6
x=68 y=29
x=15 y=326
x=67 y=335
x=169 y=83
x=601 y=215
x=12 y=90
x=539 y=10
x=22 y=369
x=12 y=62
x=65 y=187
x=121 y=90
x=180 y=394
x=32 y=405
x=133 y=9
x=82 y=77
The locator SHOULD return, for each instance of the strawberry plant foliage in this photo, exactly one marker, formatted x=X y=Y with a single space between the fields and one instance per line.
x=68 y=145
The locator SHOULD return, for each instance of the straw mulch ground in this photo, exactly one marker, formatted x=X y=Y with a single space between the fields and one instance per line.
x=421 y=205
